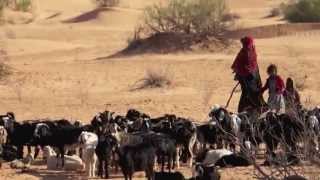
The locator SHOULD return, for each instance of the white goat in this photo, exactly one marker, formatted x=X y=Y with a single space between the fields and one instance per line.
x=88 y=142
x=3 y=135
x=212 y=156
x=72 y=163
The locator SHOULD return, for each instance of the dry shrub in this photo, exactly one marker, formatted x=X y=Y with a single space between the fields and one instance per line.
x=302 y=11
x=134 y=40
x=155 y=78
x=2 y=4
x=230 y=17
x=275 y=12
x=4 y=69
x=188 y=16
x=182 y=25
x=23 y=5
x=300 y=81
x=18 y=86
x=107 y=3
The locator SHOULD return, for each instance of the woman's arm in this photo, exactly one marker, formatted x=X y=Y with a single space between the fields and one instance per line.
x=265 y=87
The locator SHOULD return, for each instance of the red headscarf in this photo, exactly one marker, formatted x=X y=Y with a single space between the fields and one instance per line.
x=246 y=60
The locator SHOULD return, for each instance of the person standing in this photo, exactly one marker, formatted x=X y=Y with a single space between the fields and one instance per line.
x=276 y=88
x=292 y=98
x=246 y=71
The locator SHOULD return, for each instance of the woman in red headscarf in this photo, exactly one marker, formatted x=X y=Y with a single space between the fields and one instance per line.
x=247 y=73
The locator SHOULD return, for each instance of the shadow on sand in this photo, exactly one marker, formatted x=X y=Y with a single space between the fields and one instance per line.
x=87 y=16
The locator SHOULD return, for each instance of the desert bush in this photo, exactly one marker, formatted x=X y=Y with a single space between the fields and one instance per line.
x=4 y=68
x=107 y=3
x=154 y=78
x=2 y=5
x=187 y=16
x=230 y=17
x=23 y=5
x=301 y=82
x=275 y=12
x=303 y=11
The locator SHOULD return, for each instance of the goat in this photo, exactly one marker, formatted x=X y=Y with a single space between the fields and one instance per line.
x=207 y=134
x=295 y=177
x=168 y=176
x=210 y=157
x=72 y=163
x=233 y=160
x=202 y=172
x=165 y=148
x=279 y=128
x=88 y=142
x=185 y=135
x=106 y=146
x=140 y=157
x=59 y=137
x=20 y=134
x=226 y=124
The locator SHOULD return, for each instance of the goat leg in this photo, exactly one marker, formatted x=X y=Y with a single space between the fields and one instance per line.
x=178 y=157
x=169 y=162
x=106 y=169
x=100 y=165
x=20 y=152
x=62 y=155
x=36 y=152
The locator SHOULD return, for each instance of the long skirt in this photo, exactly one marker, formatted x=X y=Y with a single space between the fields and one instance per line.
x=251 y=96
x=276 y=103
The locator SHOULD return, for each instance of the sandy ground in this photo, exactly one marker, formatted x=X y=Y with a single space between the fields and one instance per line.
x=61 y=70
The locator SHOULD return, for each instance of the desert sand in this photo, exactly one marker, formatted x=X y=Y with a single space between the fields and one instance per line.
x=59 y=55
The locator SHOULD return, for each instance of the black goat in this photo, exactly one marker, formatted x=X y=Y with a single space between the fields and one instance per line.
x=106 y=146
x=233 y=160
x=223 y=120
x=134 y=158
x=207 y=134
x=168 y=176
x=165 y=148
x=20 y=134
x=57 y=137
x=205 y=173
x=281 y=128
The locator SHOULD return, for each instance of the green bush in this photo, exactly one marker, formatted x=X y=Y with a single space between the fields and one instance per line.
x=303 y=11
x=204 y=17
x=23 y=5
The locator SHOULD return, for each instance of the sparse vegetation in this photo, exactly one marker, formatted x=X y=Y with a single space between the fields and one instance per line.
x=205 y=17
x=230 y=17
x=155 y=78
x=301 y=82
x=107 y=3
x=182 y=25
x=275 y=12
x=2 y=5
x=18 y=86
x=303 y=11
x=19 y=5
x=4 y=69
x=23 y=5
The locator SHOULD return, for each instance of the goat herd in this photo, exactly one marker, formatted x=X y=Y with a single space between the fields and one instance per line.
x=137 y=142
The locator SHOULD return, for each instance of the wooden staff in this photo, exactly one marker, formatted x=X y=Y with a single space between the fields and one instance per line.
x=232 y=92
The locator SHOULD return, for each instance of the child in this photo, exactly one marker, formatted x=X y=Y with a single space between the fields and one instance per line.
x=292 y=97
x=275 y=85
